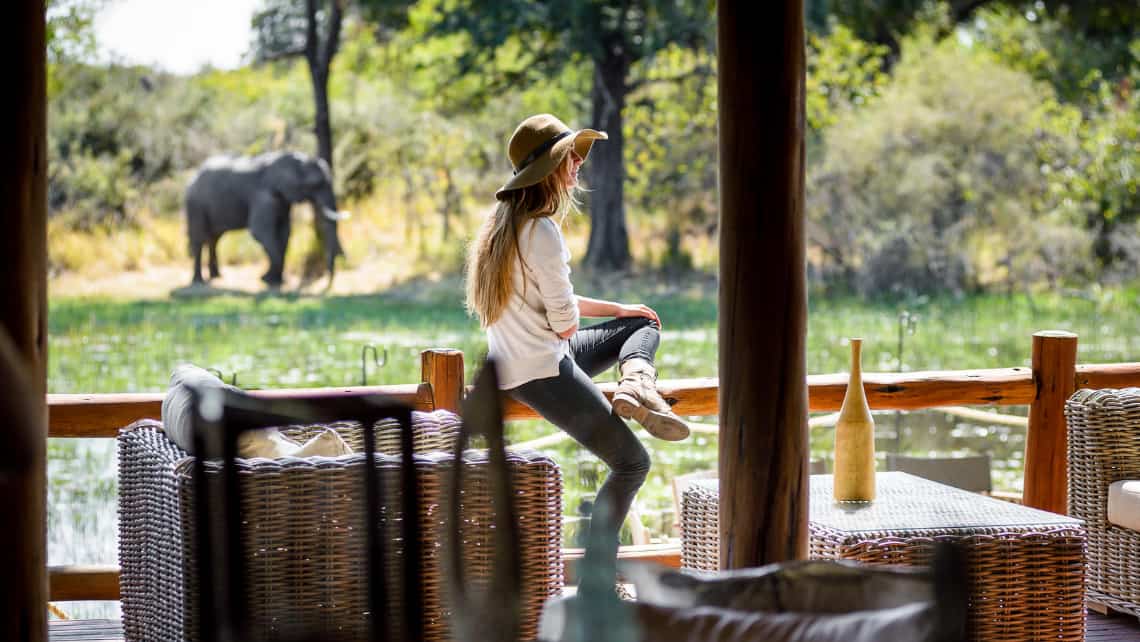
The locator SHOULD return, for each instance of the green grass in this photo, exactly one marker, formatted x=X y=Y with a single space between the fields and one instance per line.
x=279 y=342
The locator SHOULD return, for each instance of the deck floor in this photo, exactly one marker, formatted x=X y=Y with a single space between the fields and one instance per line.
x=85 y=631
x=1101 y=628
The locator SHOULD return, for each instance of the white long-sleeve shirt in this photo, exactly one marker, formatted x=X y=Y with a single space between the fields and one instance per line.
x=524 y=341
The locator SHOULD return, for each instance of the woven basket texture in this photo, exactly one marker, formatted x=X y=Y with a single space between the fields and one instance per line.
x=1104 y=447
x=304 y=537
x=1026 y=567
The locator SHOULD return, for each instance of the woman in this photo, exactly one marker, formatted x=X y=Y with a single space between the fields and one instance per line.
x=518 y=283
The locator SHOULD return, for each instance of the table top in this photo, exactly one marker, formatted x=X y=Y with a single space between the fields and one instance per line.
x=905 y=503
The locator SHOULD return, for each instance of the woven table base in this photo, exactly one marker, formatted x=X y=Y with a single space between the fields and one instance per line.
x=1027 y=579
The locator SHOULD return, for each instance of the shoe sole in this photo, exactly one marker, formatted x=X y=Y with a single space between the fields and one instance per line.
x=662 y=426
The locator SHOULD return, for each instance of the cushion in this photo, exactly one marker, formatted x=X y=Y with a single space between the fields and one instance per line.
x=328 y=443
x=656 y=623
x=817 y=600
x=177 y=423
x=808 y=586
x=177 y=411
x=1124 y=504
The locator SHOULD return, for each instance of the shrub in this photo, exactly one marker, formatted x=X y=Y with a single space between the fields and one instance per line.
x=933 y=185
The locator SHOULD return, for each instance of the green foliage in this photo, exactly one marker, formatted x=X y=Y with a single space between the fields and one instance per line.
x=879 y=21
x=279 y=28
x=543 y=36
x=70 y=29
x=1049 y=48
x=670 y=155
x=69 y=35
x=96 y=188
x=1096 y=70
x=936 y=185
x=843 y=72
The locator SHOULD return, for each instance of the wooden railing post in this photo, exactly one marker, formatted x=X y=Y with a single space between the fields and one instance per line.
x=1046 y=445
x=442 y=369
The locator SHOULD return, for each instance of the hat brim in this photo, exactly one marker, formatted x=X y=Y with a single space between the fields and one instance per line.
x=580 y=141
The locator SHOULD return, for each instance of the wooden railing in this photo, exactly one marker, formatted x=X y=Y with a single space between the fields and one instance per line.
x=1043 y=387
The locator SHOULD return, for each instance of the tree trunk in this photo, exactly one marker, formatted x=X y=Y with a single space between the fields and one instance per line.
x=450 y=202
x=319 y=56
x=763 y=297
x=23 y=324
x=321 y=126
x=608 y=248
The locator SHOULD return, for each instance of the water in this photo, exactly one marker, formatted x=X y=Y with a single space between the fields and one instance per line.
x=82 y=496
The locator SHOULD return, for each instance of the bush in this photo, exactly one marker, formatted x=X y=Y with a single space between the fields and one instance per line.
x=933 y=186
x=95 y=189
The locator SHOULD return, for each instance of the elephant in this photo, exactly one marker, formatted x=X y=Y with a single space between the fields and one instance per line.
x=234 y=192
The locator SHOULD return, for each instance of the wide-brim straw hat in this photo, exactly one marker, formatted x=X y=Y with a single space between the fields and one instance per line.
x=539 y=145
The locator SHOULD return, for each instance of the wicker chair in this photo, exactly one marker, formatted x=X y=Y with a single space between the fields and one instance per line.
x=1104 y=447
x=304 y=546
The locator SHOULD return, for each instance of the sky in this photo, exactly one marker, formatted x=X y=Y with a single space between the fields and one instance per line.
x=177 y=35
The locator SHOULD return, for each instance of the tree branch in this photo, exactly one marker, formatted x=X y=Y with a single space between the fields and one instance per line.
x=311 y=32
x=540 y=60
x=699 y=70
x=332 y=38
x=281 y=55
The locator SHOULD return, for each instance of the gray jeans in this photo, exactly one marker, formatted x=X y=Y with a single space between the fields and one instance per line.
x=572 y=402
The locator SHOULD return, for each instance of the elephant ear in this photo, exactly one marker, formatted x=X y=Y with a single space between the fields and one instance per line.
x=285 y=175
x=318 y=175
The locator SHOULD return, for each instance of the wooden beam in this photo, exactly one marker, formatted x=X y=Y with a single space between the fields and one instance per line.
x=763 y=299
x=1108 y=375
x=103 y=415
x=885 y=391
x=667 y=554
x=23 y=323
x=916 y=390
x=78 y=582
x=1047 y=441
x=442 y=369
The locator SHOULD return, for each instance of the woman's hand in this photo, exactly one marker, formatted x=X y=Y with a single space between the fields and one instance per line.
x=637 y=310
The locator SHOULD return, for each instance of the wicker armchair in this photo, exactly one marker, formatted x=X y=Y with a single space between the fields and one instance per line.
x=304 y=544
x=1104 y=447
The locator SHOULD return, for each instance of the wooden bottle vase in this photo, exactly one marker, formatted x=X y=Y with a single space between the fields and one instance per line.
x=855 y=438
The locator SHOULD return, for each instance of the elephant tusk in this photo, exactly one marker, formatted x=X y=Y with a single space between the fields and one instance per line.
x=335 y=216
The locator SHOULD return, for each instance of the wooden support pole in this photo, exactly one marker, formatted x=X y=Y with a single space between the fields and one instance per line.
x=1047 y=441
x=763 y=300
x=23 y=314
x=443 y=370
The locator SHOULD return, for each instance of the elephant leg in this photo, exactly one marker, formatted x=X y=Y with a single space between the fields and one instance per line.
x=196 y=252
x=264 y=223
x=195 y=221
x=284 y=228
x=212 y=248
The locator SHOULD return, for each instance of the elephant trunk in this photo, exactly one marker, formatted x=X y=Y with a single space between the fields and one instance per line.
x=325 y=219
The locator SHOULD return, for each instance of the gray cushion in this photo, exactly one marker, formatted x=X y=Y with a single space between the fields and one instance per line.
x=177 y=410
x=177 y=422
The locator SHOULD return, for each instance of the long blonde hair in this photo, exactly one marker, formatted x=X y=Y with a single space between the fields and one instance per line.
x=490 y=258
